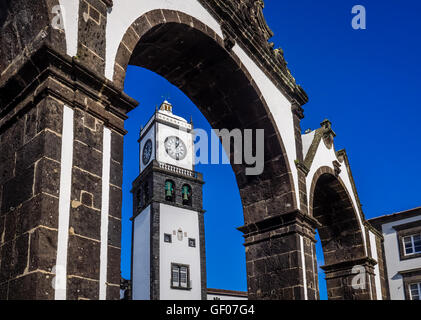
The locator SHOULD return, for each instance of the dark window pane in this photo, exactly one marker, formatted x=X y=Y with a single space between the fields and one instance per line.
x=408 y=245
x=175 y=276
x=183 y=277
x=409 y=250
x=415 y=291
x=417 y=243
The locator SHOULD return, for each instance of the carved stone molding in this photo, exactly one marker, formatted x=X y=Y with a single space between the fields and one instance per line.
x=298 y=110
x=328 y=134
x=229 y=38
x=245 y=22
x=337 y=168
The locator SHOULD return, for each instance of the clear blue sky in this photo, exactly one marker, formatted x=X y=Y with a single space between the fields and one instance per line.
x=367 y=82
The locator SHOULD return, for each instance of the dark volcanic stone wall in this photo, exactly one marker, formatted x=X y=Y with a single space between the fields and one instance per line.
x=29 y=188
x=25 y=26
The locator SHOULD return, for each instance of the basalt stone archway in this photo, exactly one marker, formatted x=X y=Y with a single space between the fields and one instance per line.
x=182 y=50
x=195 y=59
x=62 y=113
x=341 y=237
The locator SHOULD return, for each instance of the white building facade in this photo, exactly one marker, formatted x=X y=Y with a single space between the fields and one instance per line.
x=402 y=250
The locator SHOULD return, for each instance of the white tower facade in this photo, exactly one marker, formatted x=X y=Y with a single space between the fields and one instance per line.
x=168 y=249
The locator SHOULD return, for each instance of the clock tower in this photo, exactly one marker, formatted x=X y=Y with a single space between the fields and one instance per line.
x=168 y=239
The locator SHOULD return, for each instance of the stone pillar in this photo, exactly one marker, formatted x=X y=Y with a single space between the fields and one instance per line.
x=30 y=158
x=345 y=281
x=279 y=259
x=61 y=142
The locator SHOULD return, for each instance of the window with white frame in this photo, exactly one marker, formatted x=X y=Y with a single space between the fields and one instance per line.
x=412 y=244
x=180 y=276
x=415 y=291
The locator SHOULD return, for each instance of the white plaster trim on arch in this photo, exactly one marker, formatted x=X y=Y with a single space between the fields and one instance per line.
x=125 y=12
x=279 y=107
x=324 y=157
x=70 y=14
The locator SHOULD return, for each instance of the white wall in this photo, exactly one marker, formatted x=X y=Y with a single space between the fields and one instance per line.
x=141 y=256
x=173 y=218
x=393 y=263
x=373 y=246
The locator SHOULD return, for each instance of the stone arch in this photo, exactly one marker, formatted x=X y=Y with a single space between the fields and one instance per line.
x=341 y=234
x=71 y=98
x=194 y=58
x=149 y=43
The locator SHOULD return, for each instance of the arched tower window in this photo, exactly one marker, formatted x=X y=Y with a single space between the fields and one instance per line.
x=170 y=190
x=186 y=193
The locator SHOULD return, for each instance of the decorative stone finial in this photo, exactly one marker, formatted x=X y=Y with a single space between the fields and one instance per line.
x=328 y=133
x=166 y=106
x=326 y=124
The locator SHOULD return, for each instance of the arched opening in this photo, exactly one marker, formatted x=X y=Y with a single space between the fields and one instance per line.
x=194 y=60
x=169 y=190
x=186 y=194
x=340 y=237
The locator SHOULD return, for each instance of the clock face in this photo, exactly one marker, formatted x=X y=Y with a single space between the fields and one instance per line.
x=147 y=152
x=175 y=148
